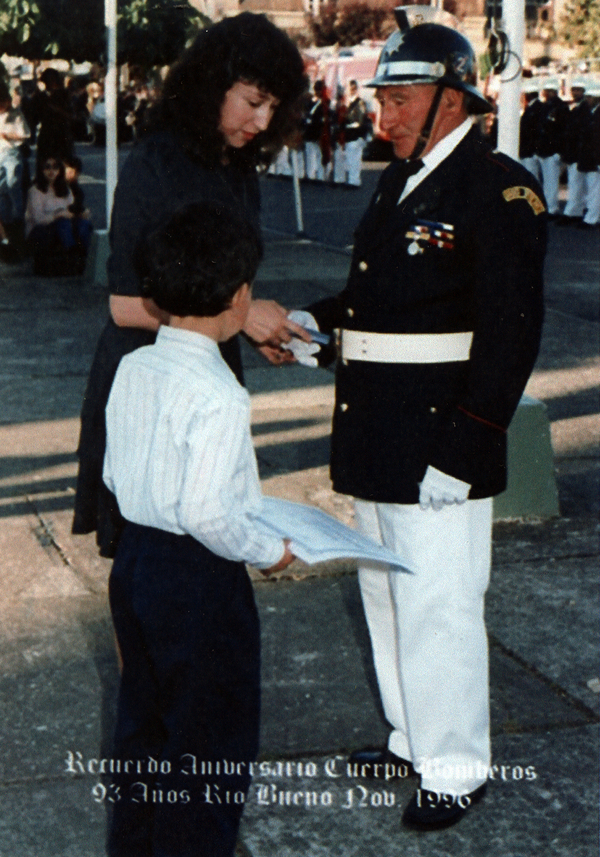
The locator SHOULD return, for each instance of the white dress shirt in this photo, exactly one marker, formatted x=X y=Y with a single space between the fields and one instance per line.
x=179 y=454
x=439 y=152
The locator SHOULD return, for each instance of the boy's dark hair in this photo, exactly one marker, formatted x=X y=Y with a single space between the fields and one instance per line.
x=246 y=47
x=195 y=263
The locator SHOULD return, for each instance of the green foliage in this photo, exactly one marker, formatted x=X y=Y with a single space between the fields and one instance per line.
x=17 y=18
x=350 y=24
x=149 y=32
x=581 y=27
x=154 y=32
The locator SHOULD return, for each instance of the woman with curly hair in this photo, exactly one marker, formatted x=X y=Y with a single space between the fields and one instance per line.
x=226 y=109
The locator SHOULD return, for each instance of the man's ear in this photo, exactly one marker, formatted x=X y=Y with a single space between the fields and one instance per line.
x=453 y=100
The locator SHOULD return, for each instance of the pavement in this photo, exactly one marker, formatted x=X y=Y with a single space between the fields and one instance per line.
x=58 y=670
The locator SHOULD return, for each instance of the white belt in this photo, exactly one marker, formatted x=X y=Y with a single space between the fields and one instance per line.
x=405 y=347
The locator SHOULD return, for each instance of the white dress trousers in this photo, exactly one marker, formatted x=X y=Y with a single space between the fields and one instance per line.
x=354 y=152
x=314 y=162
x=551 y=168
x=533 y=164
x=592 y=215
x=577 y=186
x=429 y=639
x=339 y=164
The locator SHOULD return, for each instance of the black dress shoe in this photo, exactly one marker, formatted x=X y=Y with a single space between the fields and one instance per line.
x=380 y=765
x=434 y=811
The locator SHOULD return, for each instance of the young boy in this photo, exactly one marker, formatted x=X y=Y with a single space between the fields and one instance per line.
x=180 y=460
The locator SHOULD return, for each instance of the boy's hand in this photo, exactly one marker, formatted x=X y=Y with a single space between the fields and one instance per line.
x=285 y=560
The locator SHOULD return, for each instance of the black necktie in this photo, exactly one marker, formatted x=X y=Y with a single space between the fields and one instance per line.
x=390 y=194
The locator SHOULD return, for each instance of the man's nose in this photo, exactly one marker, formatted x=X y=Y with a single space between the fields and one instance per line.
x=387 y=117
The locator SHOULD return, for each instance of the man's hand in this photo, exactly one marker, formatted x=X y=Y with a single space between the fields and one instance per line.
x=303 y=351
x=285 y=560
x=439 y=489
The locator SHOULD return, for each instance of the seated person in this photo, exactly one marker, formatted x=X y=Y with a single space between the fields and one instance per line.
x=57 y=238
x=180 y=460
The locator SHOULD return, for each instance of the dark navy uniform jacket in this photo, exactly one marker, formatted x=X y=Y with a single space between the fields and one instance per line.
x=530 y=129
x=553 y=123
x=392 y=420
x=576 y=128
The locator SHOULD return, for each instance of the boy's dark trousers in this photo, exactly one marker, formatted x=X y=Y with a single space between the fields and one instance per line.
x=189 y=702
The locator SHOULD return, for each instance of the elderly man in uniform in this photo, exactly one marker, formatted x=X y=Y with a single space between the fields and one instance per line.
x=440 y=326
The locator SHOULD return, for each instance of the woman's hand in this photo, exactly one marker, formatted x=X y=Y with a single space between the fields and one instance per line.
x=285 y=560
x=268 y=325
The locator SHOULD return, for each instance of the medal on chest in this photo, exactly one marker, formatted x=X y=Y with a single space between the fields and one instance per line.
x=429 y=233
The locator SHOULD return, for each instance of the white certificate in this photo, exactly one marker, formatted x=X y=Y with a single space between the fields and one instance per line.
x=317 y=537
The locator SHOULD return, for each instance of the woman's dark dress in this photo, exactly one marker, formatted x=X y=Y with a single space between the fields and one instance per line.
x=157 y=179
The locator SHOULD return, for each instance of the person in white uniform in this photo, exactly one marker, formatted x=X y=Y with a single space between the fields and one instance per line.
x=440 y=327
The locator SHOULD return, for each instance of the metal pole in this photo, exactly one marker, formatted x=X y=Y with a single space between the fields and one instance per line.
x=110 y=103
x=297 y=194
x=509 y=112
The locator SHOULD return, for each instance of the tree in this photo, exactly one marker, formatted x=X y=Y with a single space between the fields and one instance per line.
x=17 y=20
x=150 y=32
x=350 y=24
x=581 y=26
x=154 y=32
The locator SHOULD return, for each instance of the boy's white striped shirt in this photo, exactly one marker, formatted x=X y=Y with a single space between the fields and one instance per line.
x=179 y=454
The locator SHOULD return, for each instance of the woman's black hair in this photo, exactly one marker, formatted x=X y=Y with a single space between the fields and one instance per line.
x=249 y=48
x=195 y=263
x=61 y=188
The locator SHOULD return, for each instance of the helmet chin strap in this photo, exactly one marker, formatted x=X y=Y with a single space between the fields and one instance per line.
x=428 y=124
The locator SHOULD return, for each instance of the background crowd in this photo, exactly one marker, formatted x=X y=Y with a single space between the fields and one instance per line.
x=559 y=144
x=42 y=208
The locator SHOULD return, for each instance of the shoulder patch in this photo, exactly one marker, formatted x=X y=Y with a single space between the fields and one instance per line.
x=526 y=193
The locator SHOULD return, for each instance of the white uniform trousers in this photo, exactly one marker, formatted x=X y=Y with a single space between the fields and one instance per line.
x=592 y=215
x=534 y=166
x=281 y=165
x=314 y=168
x=577 y=187
x=551 y=168
x=354 y=152
x=429 y=639
x=339 y=164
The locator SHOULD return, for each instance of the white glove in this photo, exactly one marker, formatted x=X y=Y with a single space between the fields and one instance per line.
x=439 y=489
x=303 y=351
